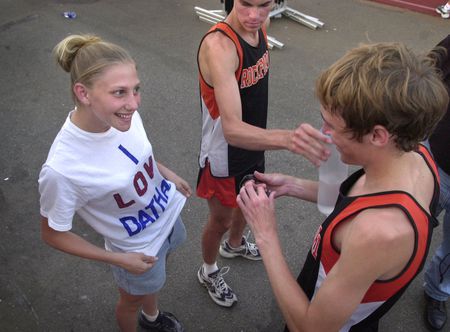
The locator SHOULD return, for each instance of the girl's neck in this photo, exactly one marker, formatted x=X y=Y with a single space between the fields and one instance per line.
x=83 y=119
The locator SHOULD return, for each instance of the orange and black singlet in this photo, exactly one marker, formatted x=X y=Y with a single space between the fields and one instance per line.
x=381 y=295
x=252 y=77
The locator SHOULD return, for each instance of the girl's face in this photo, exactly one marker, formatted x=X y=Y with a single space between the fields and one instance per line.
x=113 y=98
x=252 y=13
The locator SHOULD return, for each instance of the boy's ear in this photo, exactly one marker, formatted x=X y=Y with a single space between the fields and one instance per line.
x=379 y=135
x=81 y=92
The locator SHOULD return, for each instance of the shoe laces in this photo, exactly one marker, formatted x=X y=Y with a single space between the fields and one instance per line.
x=250 y=247
x=218 y=281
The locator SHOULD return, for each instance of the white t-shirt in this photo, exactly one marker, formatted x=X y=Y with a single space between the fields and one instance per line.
x=112 y=181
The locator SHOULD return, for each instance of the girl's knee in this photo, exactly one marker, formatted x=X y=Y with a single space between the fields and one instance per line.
x=130 y=302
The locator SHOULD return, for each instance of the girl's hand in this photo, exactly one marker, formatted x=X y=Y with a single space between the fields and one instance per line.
x=182 y=186
x=136 y=263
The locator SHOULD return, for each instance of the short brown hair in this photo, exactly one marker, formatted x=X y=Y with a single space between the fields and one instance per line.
x=384 y=84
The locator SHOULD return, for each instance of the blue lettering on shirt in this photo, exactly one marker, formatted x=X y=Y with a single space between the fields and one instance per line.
x=128 y=154
x=150 y=214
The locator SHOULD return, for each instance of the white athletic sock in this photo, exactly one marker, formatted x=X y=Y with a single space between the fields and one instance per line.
x=238 y=247
x=210 y=268
x=150 y=318
x=447 y=7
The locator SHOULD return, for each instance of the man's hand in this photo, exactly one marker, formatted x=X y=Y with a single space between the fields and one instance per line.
x=309 y=142
x=274 y=182
x=259 y=211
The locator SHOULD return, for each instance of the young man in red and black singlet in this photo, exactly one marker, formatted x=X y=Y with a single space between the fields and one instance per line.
x=378 y=102
x=233 y=61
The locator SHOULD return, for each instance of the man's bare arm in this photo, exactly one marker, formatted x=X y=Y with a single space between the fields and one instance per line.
x=368 y=253
x=218 y=63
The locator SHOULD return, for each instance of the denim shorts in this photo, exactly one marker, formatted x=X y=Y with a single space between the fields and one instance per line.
x=152 y=280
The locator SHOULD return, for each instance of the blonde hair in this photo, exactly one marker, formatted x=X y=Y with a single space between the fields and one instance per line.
x=384 y=84
x=86 y=57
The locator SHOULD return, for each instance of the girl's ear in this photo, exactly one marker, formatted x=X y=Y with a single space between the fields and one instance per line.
x=81 y=92
x=379 y=135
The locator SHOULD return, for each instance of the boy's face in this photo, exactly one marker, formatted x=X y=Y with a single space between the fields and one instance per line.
x=349 y=148
x=252 y=13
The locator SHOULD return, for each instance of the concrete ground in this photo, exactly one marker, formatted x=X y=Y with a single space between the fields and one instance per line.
x=42 y=289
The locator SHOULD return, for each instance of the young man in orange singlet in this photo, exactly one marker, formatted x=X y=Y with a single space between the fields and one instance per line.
x=233 y=62
x=378 y=102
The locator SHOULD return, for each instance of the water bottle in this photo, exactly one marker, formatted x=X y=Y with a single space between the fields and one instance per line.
x=331 y=174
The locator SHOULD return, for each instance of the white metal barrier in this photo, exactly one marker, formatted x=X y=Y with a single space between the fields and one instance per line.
x=281 y=8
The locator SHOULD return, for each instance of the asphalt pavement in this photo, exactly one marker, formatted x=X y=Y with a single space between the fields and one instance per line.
x=42 y=289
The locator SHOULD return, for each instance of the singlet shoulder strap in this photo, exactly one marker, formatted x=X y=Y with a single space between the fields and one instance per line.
x=427 y=156
x=429 y=160
x=264 y=31
x=230 y=33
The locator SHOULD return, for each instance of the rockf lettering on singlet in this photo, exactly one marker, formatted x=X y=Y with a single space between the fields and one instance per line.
x=251 y=75
x=157 y=204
